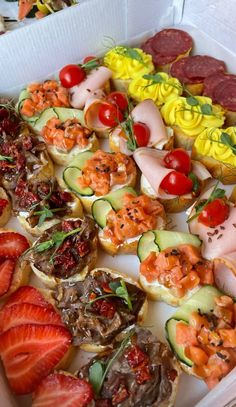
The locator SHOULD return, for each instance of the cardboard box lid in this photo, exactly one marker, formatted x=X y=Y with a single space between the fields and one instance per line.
x=34 y=51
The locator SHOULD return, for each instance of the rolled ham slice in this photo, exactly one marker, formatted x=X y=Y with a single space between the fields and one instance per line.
x=91 y=109
x=150 y=163
x=225 y=273
x=217 y=241
x=96 y=79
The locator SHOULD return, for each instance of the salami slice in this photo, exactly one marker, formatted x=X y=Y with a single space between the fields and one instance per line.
x=167 y=45
x=222 y=89
x=211 y=82
x=196 y=68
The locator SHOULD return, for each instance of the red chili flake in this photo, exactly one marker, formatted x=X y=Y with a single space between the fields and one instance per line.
x=92 y=296
x=120 y=395
x=171 y=375
x=143 y=374
x=135 y=356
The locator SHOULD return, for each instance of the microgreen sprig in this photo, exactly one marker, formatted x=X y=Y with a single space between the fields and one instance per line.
x=216 y=193
x=225 y=140
x=6 y=158
x=46 y=213
x=130 y=53
x=157 y=78
x=98 y=370
x=119 y=290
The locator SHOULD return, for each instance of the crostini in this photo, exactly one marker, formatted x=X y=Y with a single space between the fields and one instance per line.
x=5 y=207
x=39 y=205
x=23 y=155
x=202 y=335
x=144 y=372
x=126 y=63
x=190 y=116
x=100 y=307
x=93 y=175
x=213 y=219
x=64 y=252
x=123 y=216
x=167 y=46
x=34 y=340
x=215 y=148
x=14 y=270
x=143 y=127
x=171 y=177
x=172 y=267
x=64 y=133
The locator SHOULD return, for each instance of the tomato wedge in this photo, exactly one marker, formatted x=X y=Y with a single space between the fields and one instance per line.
x=109 y=114
x=178 y=160
x=214 y=213
x=141 y=134
x=176 y=183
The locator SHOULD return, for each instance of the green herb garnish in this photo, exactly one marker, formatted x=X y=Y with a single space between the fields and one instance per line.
x=46 y=213
x=157 y=78
x=206 y=108
x=192 y=101
x=195 y=180
x=119 y=291
x=98 y=370
x=6 y=158
x=127 y=126
x=130 y=53
x=216 y=193
x=92 y=64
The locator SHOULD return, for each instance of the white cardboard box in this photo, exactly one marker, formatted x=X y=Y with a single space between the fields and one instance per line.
x=37 y=51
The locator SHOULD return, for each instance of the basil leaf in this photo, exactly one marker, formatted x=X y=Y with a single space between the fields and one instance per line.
x=218 y=193
x=192 y=101
x=195 y=181
x=133 y=54
x=225 y=139
x=93 y=63
x=123 y=293
x=96 y=372
x=206 y=109
x=157 y=78
x=114 y=285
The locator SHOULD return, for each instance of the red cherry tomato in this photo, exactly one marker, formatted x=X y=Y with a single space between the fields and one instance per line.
x=178 y=160
x=109 y=115
x=141 y=133
x=89 y=58
x=119 y=98
x=176 y=183
x=214 y=213
x=71 y=75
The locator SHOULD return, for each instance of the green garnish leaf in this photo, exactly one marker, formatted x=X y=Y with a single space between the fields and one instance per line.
x=130 y=53
x=114 y=285
x=6 y=158
x=156 y=78
x=123 y=293
x=206 y=109
x=41 y=247
x=192 y=101
x=195 y=180
x=215 y=194
x=96 y=372
x=225 y=138
x=127 y=126
x=92 y=64
x=46 y=213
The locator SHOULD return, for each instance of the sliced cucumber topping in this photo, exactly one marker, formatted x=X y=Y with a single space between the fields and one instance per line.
x=171 y=337
x=203 y=300
x=62 y=113
x=81 y=159
x=70 y=177
x=23 y=96
x=158 y=240
x=101 y=207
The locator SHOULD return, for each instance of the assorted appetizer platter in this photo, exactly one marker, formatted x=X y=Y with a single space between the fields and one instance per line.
x=96 y=165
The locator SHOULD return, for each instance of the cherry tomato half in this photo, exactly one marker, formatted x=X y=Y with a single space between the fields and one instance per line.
x=214 y=213
x=88 y=58
x=119 y=98
x=109 y=115
x=176 y=183
x=141 y=134
x=178 y=160
x=71 y=75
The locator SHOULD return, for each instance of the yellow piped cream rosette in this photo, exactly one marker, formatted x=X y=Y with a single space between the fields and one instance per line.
x=212 y=148
x=188 y=120
x=160 y=87
x=127 y=63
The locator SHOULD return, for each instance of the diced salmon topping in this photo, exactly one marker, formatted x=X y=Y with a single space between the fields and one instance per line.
x=44 y=95
x=138 y=215
x=104 y=170
x=209 y=340
x=180 y=269
x=65 y=135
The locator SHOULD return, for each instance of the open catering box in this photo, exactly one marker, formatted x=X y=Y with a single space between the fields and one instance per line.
x=37 y=51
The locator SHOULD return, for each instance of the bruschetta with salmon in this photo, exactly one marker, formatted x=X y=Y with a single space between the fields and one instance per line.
x=122 y=217
x=100 y=307
x=171 y=177
x=202 y=335
x=40 y=205
x=93 y=175
x=171 y=266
